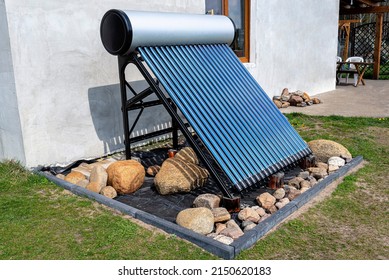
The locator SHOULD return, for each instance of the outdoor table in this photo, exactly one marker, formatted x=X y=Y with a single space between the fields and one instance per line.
x=360 y=68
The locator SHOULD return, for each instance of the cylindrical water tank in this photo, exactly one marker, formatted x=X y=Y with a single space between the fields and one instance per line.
x=123 y=31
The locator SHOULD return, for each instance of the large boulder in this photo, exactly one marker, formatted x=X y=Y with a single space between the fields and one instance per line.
x=126 y=176
x=199 y=219
x=187 y=154
x=177 y=175
x=324 y=149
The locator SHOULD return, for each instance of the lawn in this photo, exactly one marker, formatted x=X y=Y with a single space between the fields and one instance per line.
x=40 y=220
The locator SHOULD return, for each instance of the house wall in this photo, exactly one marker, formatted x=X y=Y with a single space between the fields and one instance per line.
x=294 y=44
x=63 y=103
x=66 y=83
x=11 y=140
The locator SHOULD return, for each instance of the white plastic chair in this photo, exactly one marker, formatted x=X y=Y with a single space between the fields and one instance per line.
x=352 y=67
x=338 y=59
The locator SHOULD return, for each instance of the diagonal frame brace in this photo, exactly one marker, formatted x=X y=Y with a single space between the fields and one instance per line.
x=177 y=122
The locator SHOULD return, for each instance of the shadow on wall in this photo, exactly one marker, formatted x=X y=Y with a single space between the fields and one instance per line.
x=105 y=108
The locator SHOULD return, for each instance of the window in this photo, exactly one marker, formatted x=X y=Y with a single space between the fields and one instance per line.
x=239 y=12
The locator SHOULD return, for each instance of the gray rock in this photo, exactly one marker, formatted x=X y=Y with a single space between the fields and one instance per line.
x=347 y=158
x=220 y=214
x=324 y=149
x=249 y=214
x=305 y=184
x=177 y=175
x=264 y=217
x=285 y=98
x=279 y=193
x=246 y=223
x=332 y=168
x=109 y=192
x=207 y=200
x=294 y=100
x=322 y=165
x=304 y=174
x=260 y=211
x=83 y=183
x=312 y=181
x=83 y=170
x=99 y=175
x=272 y=209
x=153 y=170
x=249 y=227
x=266 y=200
x=232 y=224
x=234 y=233
x=220 y=227
x=295 y=182
x=212 y=235
x=318 y=172
x=224 y=239
x=293 y=193
x=199 y=220
x=284 y=92
x=285 y=104
x=337 y=161
x=277 y=103
x=303 y=190
x=187 y=154
x=282 y=203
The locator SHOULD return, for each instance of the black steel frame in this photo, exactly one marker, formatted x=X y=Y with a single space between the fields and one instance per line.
x=136 y=103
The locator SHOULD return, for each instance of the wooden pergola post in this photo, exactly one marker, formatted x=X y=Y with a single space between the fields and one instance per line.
x=345 y=24
x=346 y=43
x=377 y=45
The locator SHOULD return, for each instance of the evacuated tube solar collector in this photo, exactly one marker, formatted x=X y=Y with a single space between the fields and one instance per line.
x=247 y=137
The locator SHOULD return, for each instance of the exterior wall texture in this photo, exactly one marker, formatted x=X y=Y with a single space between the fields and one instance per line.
x=11 y=140
x=61 y=93
x=293 y=45
x=66 y=82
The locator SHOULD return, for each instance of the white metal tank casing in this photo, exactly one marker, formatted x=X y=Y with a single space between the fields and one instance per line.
x=123 y=31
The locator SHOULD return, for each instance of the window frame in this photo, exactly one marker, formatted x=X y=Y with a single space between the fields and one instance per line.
x=246 y=57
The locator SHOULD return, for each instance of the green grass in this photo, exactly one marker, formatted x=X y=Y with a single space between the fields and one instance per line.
x=42 y=221
x=353 y=222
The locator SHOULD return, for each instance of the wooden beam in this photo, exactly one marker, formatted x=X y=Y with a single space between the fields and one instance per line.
x=367 y=10
x=377 y=45
x=346 y=41
x=344 y=21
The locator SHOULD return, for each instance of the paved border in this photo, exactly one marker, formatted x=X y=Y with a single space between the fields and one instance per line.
x=209 y=244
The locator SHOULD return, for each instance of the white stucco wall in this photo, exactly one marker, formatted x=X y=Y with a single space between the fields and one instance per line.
x=60 y=97
x=11 y=140
x=66 y=83
x=294 y=44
